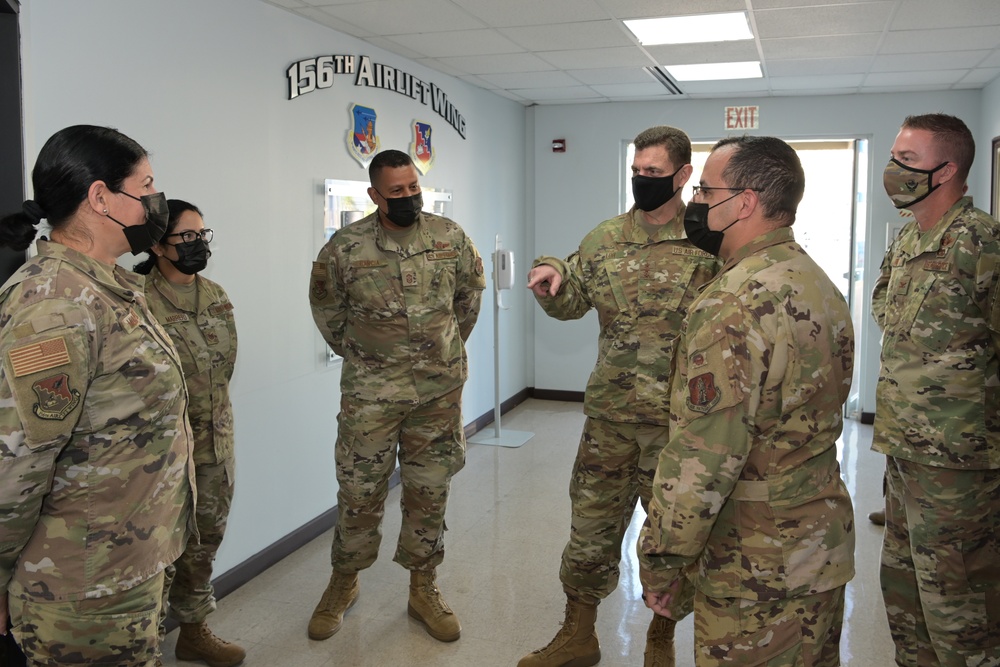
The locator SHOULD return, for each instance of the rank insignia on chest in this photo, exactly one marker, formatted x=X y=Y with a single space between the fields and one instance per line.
x=409 y=277
x=211 y=337
x=703 y=394
x=698 y=360
x=441 y=245
x=129 y=321
x=56 y=398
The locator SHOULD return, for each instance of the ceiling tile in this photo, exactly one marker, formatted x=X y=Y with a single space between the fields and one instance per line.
x=506 y=62
x=725 y=87
x=839 y=46
x=938 y=77
x=390 y=44
x=477 y=81
x=617 y=90
x=443 y=67
x=587 y=58
x=823 y=20
x=288 y=4
x=513 y=81
x=981 y=76
x=458 y=43
x=944 y=39
x=812 y=82
x=928 y=61
x=925 y=14
x=401 y=17
x=992 y=61
x=819 y=66
x=583 y=35
x=565 y=93
x=715 y=52
x=507 y=13
x=630 y=9
x=511 y=96
x=606 y=75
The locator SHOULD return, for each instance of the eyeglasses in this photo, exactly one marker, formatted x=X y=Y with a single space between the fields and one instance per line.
x=190 y=235
x=698 y=189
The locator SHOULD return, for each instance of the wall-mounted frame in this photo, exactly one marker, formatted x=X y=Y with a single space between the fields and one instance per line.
x=995 y=180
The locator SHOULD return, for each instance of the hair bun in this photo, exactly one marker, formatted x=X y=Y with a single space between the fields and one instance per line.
x=33 y=211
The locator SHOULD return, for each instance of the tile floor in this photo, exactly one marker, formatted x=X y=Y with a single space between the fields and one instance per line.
x=508 y=520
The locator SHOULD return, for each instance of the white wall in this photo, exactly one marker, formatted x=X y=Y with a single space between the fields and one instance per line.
x=202 y=86
x=990 y=106
x=579 y=188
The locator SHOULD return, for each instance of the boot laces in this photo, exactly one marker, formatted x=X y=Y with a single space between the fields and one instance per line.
x=566 y=629
x=433 y=596
x=337 y=590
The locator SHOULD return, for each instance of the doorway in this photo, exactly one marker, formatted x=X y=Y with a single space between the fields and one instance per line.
x=11 y=129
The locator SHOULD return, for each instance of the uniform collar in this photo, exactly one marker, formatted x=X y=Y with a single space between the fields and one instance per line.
x=170 y=293
x=117 y=279
x=765 y=240
x=673 y=230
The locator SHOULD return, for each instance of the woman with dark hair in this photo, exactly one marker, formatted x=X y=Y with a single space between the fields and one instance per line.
x=198 y=315
x=96 y=475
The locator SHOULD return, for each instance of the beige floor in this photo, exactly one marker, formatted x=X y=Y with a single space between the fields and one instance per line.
x=508 y=520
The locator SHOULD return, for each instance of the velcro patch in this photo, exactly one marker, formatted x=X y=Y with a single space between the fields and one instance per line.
x=56 y=398
x=937 y=265
x=438 y=255
x=129 y=320
x=176 y=317
x=38 y=357
x=220 y=308
x=703 y=394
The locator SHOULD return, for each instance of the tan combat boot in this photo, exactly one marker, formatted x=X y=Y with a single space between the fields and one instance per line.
x=575 y=645
x=196 y=642
x=340 y=595
x=427 y=606
x=660 y=643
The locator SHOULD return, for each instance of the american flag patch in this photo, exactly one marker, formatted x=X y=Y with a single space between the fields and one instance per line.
x=38 y=356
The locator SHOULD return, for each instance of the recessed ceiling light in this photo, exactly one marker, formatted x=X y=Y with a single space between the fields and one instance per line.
x=715 y=71
x=726 y=27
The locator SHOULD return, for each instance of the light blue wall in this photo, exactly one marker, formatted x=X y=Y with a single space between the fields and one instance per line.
x=202 y=85
x=990 y=105
x=579 y=188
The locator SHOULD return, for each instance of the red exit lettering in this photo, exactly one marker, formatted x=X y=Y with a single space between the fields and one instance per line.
x=742 y=118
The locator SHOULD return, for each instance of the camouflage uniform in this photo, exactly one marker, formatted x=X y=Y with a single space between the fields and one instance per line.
x=399 y=317
x=748 y=490
x=938 y=421
x=95 y=455
x=205 y=338
x=640 y=287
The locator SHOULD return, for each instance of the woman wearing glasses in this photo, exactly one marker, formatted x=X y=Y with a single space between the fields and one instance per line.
x=198 y=315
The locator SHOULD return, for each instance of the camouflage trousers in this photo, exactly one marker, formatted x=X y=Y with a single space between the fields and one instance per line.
x=614 y=468
x=113 y=631
x=430 y=442
x=795 y=632
x=941 y=565
x=188 y=595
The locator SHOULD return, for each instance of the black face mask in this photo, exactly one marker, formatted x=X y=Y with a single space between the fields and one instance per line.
x=192 y=257
x=652 y=193
x=404 y=211
x=143 y=237
x=696 y=227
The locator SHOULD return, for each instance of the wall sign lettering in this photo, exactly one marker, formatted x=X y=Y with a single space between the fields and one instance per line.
x=309 y=74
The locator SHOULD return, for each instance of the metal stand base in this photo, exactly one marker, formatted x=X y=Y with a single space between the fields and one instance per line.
x=503 y=439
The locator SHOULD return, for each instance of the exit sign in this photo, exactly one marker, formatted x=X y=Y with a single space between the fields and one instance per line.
x=742 y=118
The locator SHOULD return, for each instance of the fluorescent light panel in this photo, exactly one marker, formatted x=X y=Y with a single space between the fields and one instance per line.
x=715 y=71
x=727 y=27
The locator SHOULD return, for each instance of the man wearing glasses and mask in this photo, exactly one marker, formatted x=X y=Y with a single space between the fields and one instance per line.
x=747 y=500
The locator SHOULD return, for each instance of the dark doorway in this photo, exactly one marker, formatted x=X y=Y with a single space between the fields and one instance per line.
x=11 y=127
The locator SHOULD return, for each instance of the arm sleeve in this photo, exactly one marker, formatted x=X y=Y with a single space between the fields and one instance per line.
x=880 y=291
x=327 y=301
x=707 y=451
x=44 y=377
x=572 y=301
x=471 y=281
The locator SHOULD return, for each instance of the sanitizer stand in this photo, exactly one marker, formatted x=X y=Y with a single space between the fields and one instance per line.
x=503 y=278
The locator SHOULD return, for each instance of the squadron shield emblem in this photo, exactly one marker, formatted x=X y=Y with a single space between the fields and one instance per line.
x=702 y=393
x=362 y=142
x=55 y=397
x=421 y=150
